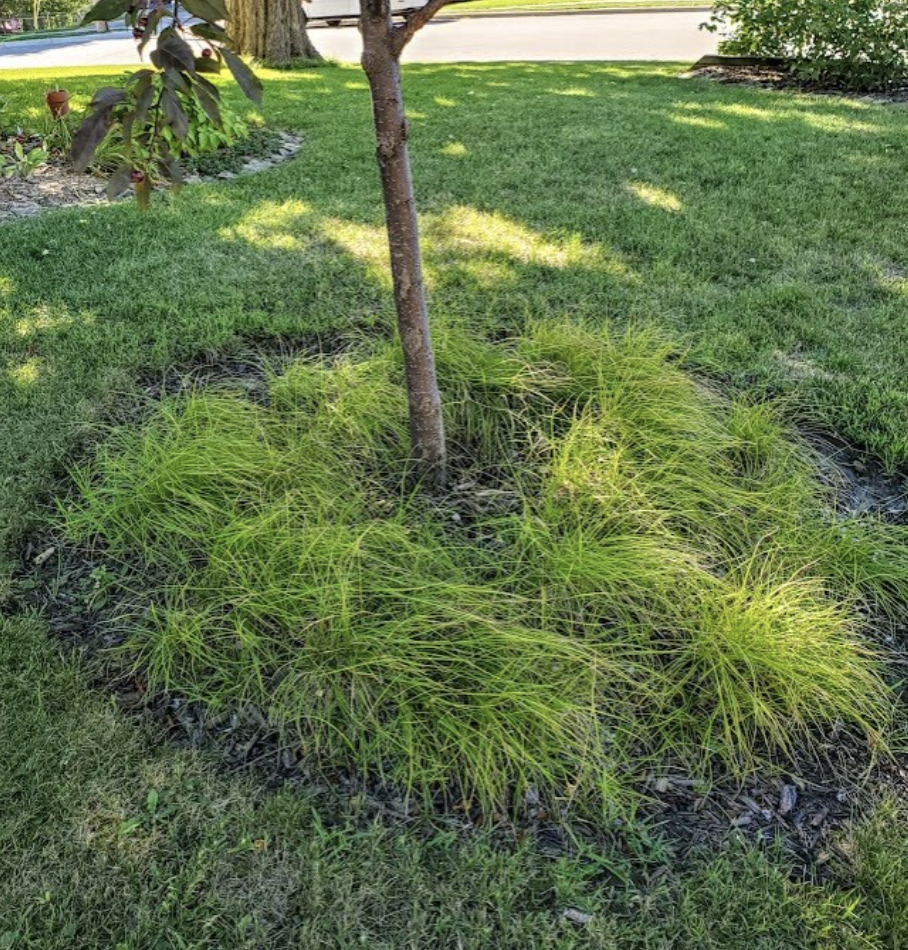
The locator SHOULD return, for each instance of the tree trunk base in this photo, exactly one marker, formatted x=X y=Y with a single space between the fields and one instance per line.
x=271 y=31
x=382 y=67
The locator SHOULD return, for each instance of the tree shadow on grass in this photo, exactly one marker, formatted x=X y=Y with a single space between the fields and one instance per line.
x=738 y=217
x=750 y=233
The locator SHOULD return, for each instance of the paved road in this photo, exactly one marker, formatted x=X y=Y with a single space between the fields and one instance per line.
x=602 y=36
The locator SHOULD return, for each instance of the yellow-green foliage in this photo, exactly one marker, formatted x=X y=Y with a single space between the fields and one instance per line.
x=668 y=577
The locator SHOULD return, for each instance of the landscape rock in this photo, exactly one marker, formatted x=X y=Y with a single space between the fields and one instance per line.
x=578 y=917
x=256 y=165
x=788 y=799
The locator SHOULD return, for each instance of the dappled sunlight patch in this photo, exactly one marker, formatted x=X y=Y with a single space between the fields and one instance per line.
x=213 y=197
x=697 y=121
x=6 y=287
x=829 y=122
x=489 y=275
x=26 y=373
x=294 y=76
x=454 y=150
x=44 y=318
x=580 y=92
x=444 y=101
x=269 y=225
x=368 y=244
x=742 y=111
x=654 y=196
x=622 y=72
x=462 y=229
x=820 y=120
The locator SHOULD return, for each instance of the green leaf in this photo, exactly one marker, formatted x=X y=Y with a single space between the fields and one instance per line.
x=154 y=19
x=170 y=169
x=119 y=181
x=91 y=132
x=107 y=97
x=209 y=99
x=208 y=31
x=139 y=75
x=106 y=10
x=175 y=52
x=143 y=193
x=205 y=64
x=174 y=115
x=245 y=78
x=129 y=826
x=210 y=10
x=174 y=79
x=144 y=95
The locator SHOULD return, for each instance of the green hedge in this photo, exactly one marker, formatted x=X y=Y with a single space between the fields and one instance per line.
x=858 y=44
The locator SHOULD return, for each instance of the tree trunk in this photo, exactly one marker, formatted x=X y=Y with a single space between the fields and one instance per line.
x=382 y=66
x=273 y=31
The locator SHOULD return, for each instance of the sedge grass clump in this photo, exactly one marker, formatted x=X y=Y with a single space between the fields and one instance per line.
x=672 y=578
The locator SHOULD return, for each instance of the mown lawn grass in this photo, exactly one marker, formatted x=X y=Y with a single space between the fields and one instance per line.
x=110 y=840
x=767 y=228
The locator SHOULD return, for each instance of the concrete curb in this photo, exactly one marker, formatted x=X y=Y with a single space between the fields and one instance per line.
x=448 y=14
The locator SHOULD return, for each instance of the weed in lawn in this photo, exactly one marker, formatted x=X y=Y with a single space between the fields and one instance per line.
x=652 y=587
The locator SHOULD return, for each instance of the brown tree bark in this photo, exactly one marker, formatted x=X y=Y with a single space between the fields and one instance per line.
x=381 y=62
x=273 y=31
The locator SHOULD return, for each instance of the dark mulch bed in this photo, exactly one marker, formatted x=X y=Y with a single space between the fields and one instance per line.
x=74 y=588
x=781 y=78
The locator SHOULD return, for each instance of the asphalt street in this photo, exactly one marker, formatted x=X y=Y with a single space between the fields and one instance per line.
x=587 y=36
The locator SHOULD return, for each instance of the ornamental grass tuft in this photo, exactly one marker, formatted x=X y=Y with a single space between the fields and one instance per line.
x=629 y=567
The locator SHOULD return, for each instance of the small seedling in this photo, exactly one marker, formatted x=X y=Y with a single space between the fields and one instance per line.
x=22 y=163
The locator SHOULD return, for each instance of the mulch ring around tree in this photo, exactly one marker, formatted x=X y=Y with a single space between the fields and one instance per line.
x=774 y=74
x=56 y=185
x=801 y=807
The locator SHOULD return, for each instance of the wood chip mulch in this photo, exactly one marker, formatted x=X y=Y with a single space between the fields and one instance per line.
x=802 y=809
x=764 y=77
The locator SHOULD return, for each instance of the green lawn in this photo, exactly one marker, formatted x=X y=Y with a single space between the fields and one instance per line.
x=767 y=230
x=561 y=5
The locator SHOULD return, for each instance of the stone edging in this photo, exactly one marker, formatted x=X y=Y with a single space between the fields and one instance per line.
x=55 y=186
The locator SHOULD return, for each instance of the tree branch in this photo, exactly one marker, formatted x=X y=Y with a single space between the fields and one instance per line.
x=415 y=22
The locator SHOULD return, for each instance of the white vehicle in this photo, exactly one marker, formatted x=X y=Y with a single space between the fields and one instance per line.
x=333 y=12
